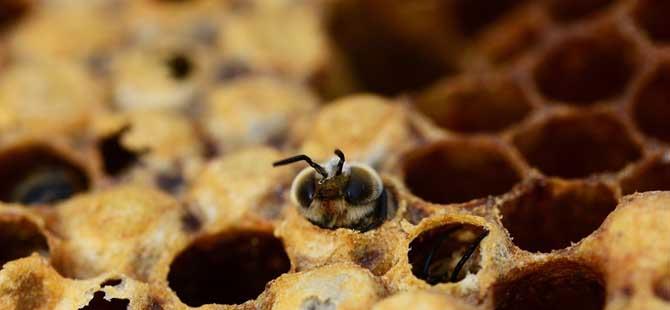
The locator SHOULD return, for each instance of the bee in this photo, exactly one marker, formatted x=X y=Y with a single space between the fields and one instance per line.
x=339 y=194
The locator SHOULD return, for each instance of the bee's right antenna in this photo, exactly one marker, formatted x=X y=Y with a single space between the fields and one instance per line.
x=322 y=171
x=340 y=164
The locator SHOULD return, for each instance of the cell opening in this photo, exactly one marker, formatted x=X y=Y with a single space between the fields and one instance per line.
x=459 y=171
x=652 y=175
x=180 y=66
x=38 y=174
x=473 y=16
x=379 y=58
x=651 y=17
x=661 y=287
x=229 y=268
x=578 y=145
x=471 y=106
x=12 y=12
x=551 y=215
x=20 y=237
x=116 y=158
x=555 y=285
x=100 y=303
x=572 y=10
x=585 y=70
x=651 y=104
x=447 y=253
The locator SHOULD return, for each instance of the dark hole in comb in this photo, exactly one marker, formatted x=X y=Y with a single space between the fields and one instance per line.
x=190 y=222
x=556 y=285
x=13 y=11
x=180 y=66
x=171 y=181
x=652 y=17
x=229 y=268
x=473 y=16
x=36 y=174
x=111 y=282
x=571 y=10
x=435 y=254
x=115 y=157
x=231 y=70
x=100 y=303
x=20 y=238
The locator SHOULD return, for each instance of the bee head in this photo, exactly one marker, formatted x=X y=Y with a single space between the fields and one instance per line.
x=337 y=194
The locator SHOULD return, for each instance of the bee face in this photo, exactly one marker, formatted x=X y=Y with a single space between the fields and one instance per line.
x=340 y=195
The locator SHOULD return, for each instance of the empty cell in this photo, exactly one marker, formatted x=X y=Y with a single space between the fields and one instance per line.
x=572 y=10
x=651 y=104
x=652 y=17
x=20 y=237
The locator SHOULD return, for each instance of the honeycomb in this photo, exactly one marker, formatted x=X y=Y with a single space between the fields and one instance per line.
x=523 y=146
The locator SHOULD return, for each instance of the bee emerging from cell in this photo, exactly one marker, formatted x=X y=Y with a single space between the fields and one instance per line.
x=340 y=194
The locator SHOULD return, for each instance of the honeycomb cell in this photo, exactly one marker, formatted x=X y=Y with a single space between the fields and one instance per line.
x=475 y=104
x=651 y=16
x=585 y=69
x=20 y=237
x=575 y=145
x=37 y=174
x=554 y=285
x=551 y=214
x=651 y=104
x=100 y=303
x=571 y=10
x=436 y=254
x=116 y=158
x=473 y=16
x=459 y=171
x=380 y=59
x=229 y=268
x=13 y=11
x=651 y=175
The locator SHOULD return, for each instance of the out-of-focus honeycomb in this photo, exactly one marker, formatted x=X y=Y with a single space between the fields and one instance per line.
x=137 y=139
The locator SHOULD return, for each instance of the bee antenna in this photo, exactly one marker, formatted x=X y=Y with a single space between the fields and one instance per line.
x=466 y=256
x=322 y=171
x=340 y=164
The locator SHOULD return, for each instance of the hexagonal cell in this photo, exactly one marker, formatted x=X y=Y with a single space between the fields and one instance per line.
x=585 y=69
x=576 y=145
x=512 y=36
x=473 y=16
x=12 y=11
x=99 y=303
x=556 y=285
x=456 y=171
x=651 y=17
x=446 y=253
x=20 y=237
x=228 y=268
x=572 y=10
x=651 y=104
x=381 y=59
x=37 y=174
x=651 y=175
x=551 y=215
x=475 y=104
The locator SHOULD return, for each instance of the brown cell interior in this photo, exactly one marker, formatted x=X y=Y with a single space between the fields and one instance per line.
x=229 y=268
x=661 y=287
x=435 y=253
x=116 y=158
x=651 y=105
x=550 y=215
x=37 y=174
x=459 y=171
x=480 y=105
x=571 y=10
x=585 y=70
x=12 y=11
x=19 y=238
x=100 y=303
x=653 y=175
x=380 y=59
x=556 y=285
x=578 y=145
x=472 y=16
x=651 y=17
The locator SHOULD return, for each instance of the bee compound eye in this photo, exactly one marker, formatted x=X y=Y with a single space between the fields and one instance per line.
x=304 y=189
x=363 y=187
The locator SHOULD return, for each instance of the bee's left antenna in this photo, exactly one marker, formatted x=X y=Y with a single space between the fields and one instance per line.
x=322 y=171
